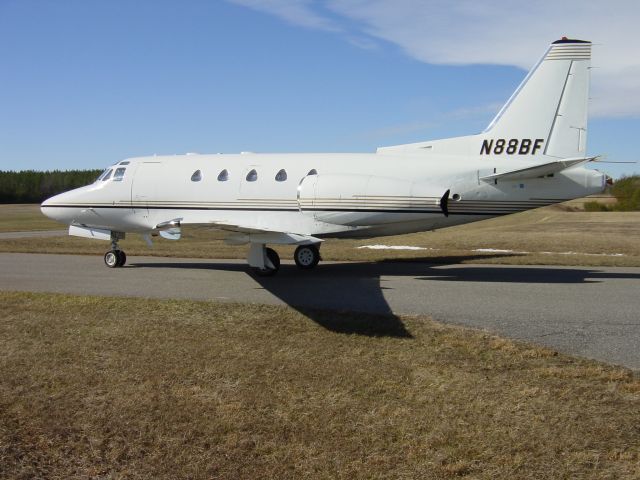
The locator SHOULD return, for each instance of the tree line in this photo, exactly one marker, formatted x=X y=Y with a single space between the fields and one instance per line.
x=627 y=193
x=30 y=186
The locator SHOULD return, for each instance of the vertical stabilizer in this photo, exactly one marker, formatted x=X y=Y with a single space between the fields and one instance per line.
x=550 y=106
x=545 y=117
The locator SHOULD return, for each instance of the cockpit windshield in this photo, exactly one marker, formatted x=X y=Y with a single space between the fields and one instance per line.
x=103 y=174
x=118 y=174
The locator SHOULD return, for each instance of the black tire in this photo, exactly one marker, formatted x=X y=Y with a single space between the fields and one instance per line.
x=306 y=256
x=274 y=258
x=122 y=258
x=112 y=259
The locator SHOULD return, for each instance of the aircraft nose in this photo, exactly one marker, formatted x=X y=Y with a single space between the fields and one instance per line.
x=50 y=208
x=46 y=209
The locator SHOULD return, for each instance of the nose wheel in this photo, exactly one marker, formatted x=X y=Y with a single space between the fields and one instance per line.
x=115 y=258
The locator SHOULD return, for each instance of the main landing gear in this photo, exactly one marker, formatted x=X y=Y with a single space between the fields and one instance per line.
x=306 y=256
x=115 y=257
x=271 y=264
x=265 y=262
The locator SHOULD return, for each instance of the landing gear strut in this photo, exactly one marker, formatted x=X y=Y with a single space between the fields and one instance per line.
x=115 y=257
x=272 y=264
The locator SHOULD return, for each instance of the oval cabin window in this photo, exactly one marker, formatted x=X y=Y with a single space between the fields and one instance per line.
x=197 y=176
x=313 y=171
x=252 y=176
x=281 y=176
x=223 y=176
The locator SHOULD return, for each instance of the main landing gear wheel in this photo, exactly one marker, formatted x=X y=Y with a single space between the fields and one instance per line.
x=306 y=256
x=274 y=258
x=115 y=258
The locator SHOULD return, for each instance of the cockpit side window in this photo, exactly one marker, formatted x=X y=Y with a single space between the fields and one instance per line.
x=118 y=174
x=106 y=175
x=104 y=172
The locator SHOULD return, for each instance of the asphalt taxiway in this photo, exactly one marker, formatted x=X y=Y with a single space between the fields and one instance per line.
x=588 y=311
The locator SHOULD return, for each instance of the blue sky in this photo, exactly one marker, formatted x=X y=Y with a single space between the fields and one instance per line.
x=85 y=83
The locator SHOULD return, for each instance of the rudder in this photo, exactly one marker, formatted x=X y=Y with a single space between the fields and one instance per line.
x=547 y=114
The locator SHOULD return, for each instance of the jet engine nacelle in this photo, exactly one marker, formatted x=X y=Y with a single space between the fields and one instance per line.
x=364 y=200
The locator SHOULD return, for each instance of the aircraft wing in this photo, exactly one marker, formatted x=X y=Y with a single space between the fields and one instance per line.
x=537 y=171
x=235 y=227
x=241 y=234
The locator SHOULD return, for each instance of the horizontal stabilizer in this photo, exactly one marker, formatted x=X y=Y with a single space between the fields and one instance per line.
x=537 y=171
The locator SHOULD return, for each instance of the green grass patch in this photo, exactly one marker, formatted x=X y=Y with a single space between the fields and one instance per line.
x=96 y=387
x=594 y=206
x=626 y=192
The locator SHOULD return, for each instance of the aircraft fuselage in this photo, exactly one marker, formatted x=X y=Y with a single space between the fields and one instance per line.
x=349 y=195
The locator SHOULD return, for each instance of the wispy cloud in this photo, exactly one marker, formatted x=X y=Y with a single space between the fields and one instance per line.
x=295 y=12
x=488 y=32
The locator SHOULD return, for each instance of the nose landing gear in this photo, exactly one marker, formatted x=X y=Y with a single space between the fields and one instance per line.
x=115 y=257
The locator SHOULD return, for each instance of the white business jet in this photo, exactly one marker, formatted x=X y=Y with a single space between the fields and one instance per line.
x=532 y=154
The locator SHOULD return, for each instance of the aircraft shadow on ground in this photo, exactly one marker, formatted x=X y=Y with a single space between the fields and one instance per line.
x=330 y=294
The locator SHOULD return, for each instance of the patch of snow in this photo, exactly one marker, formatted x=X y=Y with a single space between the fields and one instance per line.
x=494 y=250
x=393 y=247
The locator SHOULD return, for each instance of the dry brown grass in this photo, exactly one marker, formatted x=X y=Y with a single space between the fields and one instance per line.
x=557 y=235
x=111 y=388
x=22 y=218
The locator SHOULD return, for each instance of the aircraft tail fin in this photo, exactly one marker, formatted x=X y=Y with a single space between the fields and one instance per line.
x=547 y=114
x=545 y=117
